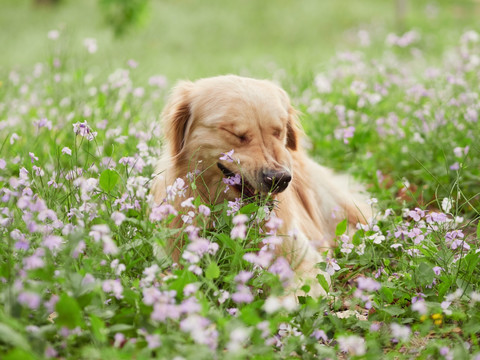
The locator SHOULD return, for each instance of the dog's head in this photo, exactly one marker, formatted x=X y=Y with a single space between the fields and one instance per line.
x=212 y=116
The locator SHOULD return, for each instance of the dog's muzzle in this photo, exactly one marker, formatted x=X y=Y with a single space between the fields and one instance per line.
x=276 y=181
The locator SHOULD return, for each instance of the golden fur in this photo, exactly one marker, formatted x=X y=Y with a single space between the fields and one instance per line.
x=206 y=118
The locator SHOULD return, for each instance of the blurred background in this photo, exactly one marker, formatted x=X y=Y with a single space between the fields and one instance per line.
x=192 y=39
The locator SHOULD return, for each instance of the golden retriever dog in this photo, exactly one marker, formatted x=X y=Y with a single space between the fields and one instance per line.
x=211 y=116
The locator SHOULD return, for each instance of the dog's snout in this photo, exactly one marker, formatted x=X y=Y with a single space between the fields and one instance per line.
x=276 y=181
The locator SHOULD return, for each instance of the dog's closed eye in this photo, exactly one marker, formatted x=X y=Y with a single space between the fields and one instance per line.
x=243 y=137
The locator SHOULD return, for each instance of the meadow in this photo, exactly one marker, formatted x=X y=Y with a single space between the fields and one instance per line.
x=82 y=271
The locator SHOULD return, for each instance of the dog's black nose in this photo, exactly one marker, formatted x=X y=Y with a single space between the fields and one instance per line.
x=276 y=181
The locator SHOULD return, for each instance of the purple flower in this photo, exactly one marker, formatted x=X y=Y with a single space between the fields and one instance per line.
x=204 y=210
x=228 y=156
x=242 y=295
x=243 y=276
x=33 y=158
x=29 y=299
x=282 y=268
x=368 y=284
x=52 y=242
x=332 y=266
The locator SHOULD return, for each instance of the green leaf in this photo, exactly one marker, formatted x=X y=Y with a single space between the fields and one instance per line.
x=341 y=228
x=212 y=271
x=387 y=294
x=478 y=230
x=69 y=313
x=424 y=274
x=108 y=180
x=393 y=310
x=249 y=209
x=98 y=328
x=13 y=338
x=323 y=281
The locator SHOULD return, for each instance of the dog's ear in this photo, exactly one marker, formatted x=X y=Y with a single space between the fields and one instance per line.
x=176 y=116
x=293 y=129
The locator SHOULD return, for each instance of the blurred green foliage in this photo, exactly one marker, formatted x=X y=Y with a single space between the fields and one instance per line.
x=192 y=39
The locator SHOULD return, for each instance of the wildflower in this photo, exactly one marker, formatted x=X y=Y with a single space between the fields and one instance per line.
x=332 y=266
x=377 y=238
x=33 y=158
x=67 y=150
x=353 y=345
x=132 y=63
x=91 y=45
x=400 y=332
x=234 y=206
x=204 y=210
x=228 y=156
x=274 y=223
x=119 y=340
x=14 y=137
x=29 y=299
x=272 y=304
x=114 y=287
x=420 y=306
x=88 y=279
x=53 y=35
x=188 y=217
x=239 y=230
x=243 y=276
x=84 y=130
x=281 y=267
x=242 y=295
x=117 y=266
x=319 y=334
x=237 y=338
x=3 y=164
x=368 y=284
x=188 y=203
x=160 y=212
x=50 y=352
x=153 y=341
x=118 y=217
x=447 y=204
x=262 y=258
x=52 y=242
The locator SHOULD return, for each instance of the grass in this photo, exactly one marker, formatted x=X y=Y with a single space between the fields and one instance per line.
x=82 y=274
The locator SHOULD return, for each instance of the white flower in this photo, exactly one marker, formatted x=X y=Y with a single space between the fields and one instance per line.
x=400 y=332
x=354 y=345
x=447 y=204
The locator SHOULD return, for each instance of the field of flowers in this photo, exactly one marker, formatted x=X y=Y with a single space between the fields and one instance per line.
x=82 y=271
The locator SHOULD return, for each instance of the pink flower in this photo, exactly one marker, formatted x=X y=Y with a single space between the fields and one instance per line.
x=114 y=287
x=29 y=299
x=242 y=295
x=67 y=151
x=3 y=164
x=204 y=210
x=118 y=217
x=243 y=276
x=160 y=212
x=153 y=341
